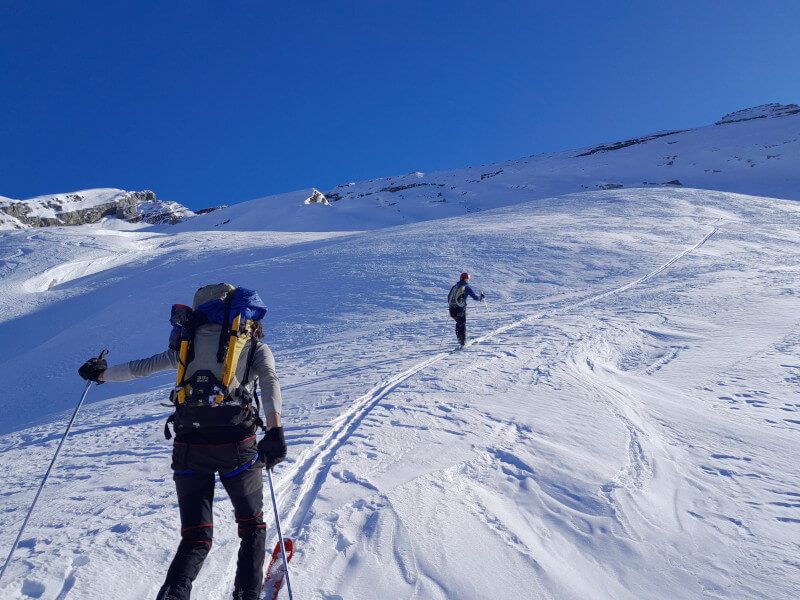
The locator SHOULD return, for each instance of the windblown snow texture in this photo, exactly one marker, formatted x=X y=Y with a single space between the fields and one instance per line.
x=623 y=424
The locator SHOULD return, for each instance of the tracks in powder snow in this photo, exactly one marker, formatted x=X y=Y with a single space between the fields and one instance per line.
x=301 y=484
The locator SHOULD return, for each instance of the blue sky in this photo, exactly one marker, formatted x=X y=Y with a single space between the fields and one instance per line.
x=210 y=102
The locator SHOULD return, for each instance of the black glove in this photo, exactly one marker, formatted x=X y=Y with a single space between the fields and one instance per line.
x=272 y=447
x=482 y=296
x=93 y=368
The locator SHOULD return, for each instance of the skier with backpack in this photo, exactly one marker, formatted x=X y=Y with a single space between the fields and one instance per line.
x=216 y=349
x=457 y=302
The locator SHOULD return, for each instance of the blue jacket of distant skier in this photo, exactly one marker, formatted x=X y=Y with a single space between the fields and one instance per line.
x=458 y=294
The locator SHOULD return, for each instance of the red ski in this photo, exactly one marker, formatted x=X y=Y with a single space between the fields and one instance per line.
x=273 y=580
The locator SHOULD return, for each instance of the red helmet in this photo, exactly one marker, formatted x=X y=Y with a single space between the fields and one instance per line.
x=464 y=276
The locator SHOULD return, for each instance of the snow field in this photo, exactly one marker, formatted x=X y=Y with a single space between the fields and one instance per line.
x=624 y=426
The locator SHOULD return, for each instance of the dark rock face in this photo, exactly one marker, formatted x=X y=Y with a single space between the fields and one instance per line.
x=627 y=143
x=408 y=186
x=204 y=211
x=485 y=176
x=18 y=210
x=765 y=111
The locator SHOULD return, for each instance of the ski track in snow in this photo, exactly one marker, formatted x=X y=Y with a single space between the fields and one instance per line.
x=301 y=484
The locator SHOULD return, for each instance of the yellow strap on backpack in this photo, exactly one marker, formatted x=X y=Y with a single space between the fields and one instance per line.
x=236 y=342
x=182 y=356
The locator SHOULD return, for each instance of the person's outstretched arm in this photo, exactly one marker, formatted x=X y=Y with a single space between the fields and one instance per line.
x=472 y=294
x=135 y=369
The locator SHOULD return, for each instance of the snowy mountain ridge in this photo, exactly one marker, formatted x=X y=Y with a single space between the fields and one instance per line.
x=750 y=151
x=87 y=207
x=754 y=151
x=765 y=111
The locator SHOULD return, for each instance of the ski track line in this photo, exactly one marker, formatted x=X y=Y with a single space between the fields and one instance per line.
x=309 y=473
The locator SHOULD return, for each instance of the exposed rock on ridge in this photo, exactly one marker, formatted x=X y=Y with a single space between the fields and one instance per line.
x=765 y=111
x=89 y=206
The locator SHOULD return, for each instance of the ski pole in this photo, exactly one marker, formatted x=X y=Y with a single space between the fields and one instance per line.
x=47 y=473
x=486 y=304
x=280 y=535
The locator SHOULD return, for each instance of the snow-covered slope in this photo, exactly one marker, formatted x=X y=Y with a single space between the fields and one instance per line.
x=89 y=206
x=623 y=424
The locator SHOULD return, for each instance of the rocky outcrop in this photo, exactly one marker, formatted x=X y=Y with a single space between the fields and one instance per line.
x=159 y=212
x=90 y=206
x=316 y=197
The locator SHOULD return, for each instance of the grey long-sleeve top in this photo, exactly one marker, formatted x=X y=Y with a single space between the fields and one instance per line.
x=263 y=368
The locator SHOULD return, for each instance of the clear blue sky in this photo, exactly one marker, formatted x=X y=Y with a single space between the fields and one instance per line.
x=208 y=102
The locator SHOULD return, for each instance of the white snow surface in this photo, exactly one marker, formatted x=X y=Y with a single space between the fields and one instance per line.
x=623 y=424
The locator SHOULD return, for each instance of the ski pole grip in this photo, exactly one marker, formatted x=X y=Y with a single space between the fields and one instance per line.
x=101 y=356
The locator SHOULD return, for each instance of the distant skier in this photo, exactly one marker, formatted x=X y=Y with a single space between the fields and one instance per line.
x=457 y=302
x=217 y=350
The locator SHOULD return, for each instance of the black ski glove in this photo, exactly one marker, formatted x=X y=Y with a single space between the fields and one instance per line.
x=272 y=447
x=93 y=368
x=482 y=296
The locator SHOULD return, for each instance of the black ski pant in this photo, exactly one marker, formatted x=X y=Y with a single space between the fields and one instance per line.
x=460 y=315
x=241 y=474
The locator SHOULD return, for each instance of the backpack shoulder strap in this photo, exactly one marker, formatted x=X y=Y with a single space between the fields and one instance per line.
x=251 y=355
x=223 y=332
x=256 y=400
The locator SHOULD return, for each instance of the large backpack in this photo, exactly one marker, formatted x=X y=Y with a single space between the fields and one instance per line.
x=210 y=340
x=457 y=298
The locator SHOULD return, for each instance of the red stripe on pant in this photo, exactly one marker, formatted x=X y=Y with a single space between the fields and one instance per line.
x=203 y=526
